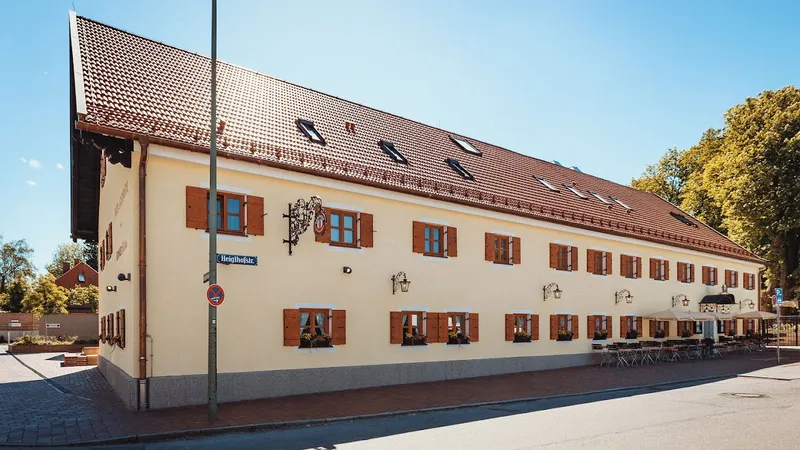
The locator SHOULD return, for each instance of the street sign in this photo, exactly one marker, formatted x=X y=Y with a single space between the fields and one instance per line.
x=215 y=295
x=53 y=325
x=778 y=295
x=205 y=277
x=237 y=259
x=14 y=324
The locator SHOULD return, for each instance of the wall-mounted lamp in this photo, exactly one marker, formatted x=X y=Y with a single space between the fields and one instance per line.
x=747 y=302
x=625 y=295
x=123 y=277
x=347 y=270
x=401 y=280
x=724 y=289
x=111 y=288
x=552 y=288
x=680 y=298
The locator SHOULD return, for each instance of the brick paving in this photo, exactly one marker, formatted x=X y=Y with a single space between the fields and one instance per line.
x=74 y=405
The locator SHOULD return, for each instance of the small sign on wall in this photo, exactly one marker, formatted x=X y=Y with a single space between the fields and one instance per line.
x=14 y=324
x=53 y=325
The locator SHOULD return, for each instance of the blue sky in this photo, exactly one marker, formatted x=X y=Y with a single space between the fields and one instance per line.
x=604 y=85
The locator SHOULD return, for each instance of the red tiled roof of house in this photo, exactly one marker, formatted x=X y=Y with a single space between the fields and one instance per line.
x=137 y=86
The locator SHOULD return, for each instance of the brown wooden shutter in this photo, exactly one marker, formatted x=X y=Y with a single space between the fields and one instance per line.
x=432 y=327
x=291 y=327
x=110 y=239
x=609 y=263
x=652 y=328
x=509 y=327
x=727 y=278
x=653 y=268
x=474 y=327
x=666 y=329
x=574 y=259
x=553 y=327
x=418 y=239
x=639 y=326
x=395 y=327
x=488 y=247
x=103 y=329
x=535 y=327
x=691 y=273
x=553 y=256
x=366 y=229
x=326 y=236
x=666 y=270
x=197 y=208
x=442 y=327
x=576 y=334
x=623 y=325
x=610 y=327
x=638 y=267
x=516 y=244
x=681 y=272
x=590 y=327
x=339 y=332
x=122 y=328
x=255 y=215
x=623 y=267
x=590 y=260
x=705 y=274
x=452 y=242
x=735 y=323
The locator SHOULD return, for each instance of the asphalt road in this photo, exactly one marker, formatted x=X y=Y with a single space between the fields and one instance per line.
x=737 y=413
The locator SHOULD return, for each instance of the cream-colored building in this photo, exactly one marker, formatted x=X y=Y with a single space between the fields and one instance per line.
x=493 y=243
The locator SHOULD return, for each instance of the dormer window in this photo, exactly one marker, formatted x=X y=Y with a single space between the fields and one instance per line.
x=576 y=191
x=599 y=197
x=621 y=203
x=455 y=165
x=392 y=151
x=546 y=184
x=307 y=127
x=464 y=144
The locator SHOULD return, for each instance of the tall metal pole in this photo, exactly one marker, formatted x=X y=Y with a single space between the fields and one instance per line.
x=212 y=225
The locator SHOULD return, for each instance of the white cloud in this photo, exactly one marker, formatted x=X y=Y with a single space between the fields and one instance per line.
x=59 y=166
x=24 y=161
x=35 y=164
x=31 y=183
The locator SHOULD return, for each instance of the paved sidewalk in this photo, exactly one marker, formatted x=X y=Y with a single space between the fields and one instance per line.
x=76 y=405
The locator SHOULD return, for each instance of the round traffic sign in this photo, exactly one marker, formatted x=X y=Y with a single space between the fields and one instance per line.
x=215 y=295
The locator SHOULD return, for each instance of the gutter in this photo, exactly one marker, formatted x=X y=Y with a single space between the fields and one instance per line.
x=144 y=396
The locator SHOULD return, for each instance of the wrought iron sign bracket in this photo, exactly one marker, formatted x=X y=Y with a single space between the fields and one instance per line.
x=300 y=215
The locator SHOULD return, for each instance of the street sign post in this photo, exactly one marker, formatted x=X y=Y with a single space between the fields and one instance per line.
x=215 y=295
x=778 y=301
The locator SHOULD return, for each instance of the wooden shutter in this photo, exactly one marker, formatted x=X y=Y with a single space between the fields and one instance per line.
x=110 y=242
x=488 y=247
x=623 y=326
x=734 y=325
x=366 y=229
x=638 y=266
x=418 y=239
x=442 y=327
x=103 y=328
x=291 y=327
x=590 y=328
x=395 y=327
x=516 y=244
x=255 y=215
x=553 y=256
x=122 y=328
x=197 y=208
x=509 y=327
x=666 y=329
x=623 y=267
x=590 y=260
x=339 y=327
x=609 y=263
x=474 y=327
x=326 y=236
x=576 y=327
x=666 y=270
x=610 y=327
x=432 y=327
x=535 y=327
x=727 y=278
x=574 y=259
x=705 y=274
x=653 y=263
x=639 y=326
x=681 y=272
x=652 y=328
x=691 y=273
x=553 y=327
x=452 y=242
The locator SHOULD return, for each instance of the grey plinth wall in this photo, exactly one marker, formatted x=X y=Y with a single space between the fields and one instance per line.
x=125 y=386
x=172 y=391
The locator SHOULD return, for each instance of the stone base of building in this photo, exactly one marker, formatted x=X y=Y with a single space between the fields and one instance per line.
x=125 y=386
x=172 y=391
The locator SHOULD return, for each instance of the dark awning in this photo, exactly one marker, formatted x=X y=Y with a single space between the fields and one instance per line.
x=718 y=299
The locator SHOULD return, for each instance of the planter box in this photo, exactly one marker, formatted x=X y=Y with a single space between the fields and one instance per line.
x=410 y=342
x=68 y=348
x=522 y=339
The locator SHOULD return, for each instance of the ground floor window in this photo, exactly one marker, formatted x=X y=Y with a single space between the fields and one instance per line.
x=457 y=328
x=698 y=327
x=314 y=328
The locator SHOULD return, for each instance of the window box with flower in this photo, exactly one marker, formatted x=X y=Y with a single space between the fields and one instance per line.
x=521 y=336
x=660 y=334
x=600 y=335
x=414 y=339
x=564 y=335
x=308 y=340
x=457 y=338
x=632 y=334
x=686 y=333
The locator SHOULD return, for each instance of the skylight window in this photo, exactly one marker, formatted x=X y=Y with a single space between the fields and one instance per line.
x=682 y=218
x=546 y=184
x=307 y=127
x=469 y=148
x=600 y=197
x=458 y=168
x=576 y=191
x=392 y=151
x=620 y=202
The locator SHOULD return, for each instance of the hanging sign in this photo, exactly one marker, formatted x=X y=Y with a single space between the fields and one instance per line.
x=215 y=295
x=53 y=325
x=320 y=222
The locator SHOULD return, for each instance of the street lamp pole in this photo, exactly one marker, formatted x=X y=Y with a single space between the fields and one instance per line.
x=212 y=224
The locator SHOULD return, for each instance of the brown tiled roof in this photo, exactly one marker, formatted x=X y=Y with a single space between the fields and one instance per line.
x=136 y=86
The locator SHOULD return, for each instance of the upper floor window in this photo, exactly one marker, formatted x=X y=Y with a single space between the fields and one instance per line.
x=659 y=269
x=563 y=257
x=732 y=278
x=434 y=236
x=229 y=213
x=710 y=276
x=434 y=240
x=347 y=229
x=685 y=272
x=464 y=144
x=236 y=213
x=749 y=281
x=343 y=228
x=598 y=262
x=631 y=266
x=308 y=129
x=502 y=249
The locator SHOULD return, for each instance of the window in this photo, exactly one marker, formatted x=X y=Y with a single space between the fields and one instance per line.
x=732 y=278
x=81 y=278
x=631 y=266
x=698 y=327
x=464 y=144
x=546 y=184
x=709 y=276
x=600 y=323
x=434 y=236
x=456 y=323
x=455 y=165
x=683 y=219
x=600 y=197
x=343 y=228
x=434 y=240
x=307 y=127
x=501 y=249
x=749 y=280
x=576 y=191
x=229 y=212
x=563 y=257
x=630 y=324
x=412 y=323
x=314 y=322
x=521 y=323
x=598 y=262
x=722 y=326
x=621 y=203
x=659 y=269
x=565 y=322
x=685 y=272
x=393 y=153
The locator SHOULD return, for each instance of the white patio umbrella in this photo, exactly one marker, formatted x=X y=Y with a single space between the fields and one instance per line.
x=761 y=315
x=705 y=317
x=670 y=315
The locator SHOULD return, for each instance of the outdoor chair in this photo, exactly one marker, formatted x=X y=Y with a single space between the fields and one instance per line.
x=615 y=354
x=601 y=354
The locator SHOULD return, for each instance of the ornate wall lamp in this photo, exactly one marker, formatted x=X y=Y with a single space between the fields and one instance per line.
x=553 y=289
x=680 y=298
x=400 y=279
x=747 y=302
x=625 y=295
x=300 y=215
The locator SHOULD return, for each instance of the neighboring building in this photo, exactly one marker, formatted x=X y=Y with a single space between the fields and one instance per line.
x=80 y=274
x=481 y=232
x=80 y=321
x=15 y=325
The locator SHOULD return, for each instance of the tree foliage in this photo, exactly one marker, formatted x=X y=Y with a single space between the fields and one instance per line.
x=11 y=301
x=45 y=297
x=15 y=261
x=744 y=180
x=90 y=254
x=65 y=254
x=84 y=296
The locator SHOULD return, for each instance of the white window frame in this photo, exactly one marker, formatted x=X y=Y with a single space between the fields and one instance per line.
x=466 y=146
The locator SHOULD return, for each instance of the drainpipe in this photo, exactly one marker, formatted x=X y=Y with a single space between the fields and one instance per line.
x=144 y=393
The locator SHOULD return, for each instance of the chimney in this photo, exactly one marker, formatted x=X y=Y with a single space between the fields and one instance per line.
x=350 y=127
x=75 y=262
x=65 y=267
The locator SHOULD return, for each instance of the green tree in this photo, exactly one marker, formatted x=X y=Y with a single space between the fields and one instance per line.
x=665 y=178
x=65 y=254
x=45 y=297
x=83 y=296
x=11 y=301
x=90 y=254
x=15 y=261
